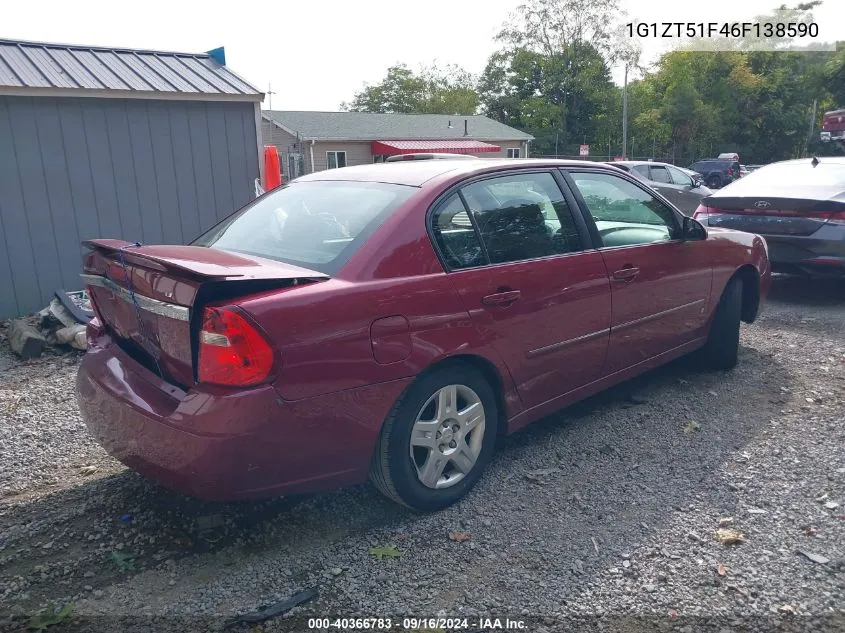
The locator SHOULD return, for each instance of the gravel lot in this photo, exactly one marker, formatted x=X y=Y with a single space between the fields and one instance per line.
x=622 y=522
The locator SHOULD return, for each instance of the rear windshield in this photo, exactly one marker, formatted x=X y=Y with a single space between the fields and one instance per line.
x=317 y=225
x=799 y=175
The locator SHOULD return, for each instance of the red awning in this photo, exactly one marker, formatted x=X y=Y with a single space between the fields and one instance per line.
x=462 y=146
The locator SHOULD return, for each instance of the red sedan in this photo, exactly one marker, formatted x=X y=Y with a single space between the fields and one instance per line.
x=391 y=320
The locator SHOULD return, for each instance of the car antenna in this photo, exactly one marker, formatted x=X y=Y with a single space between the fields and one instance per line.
x=815 y=161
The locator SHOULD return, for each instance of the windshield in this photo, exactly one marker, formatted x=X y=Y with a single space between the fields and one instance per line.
x=318 y=225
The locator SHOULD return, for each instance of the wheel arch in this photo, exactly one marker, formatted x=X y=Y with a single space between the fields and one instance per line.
x=750 y=277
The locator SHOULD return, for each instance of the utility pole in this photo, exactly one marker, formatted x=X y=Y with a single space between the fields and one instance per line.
x=812 y=127
x=625 y=114
x=557 y=138
x=270 y=94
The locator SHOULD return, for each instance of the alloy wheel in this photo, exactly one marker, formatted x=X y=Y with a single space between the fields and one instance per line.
x=447 y=436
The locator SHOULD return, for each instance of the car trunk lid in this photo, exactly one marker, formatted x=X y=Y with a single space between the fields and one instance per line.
x=151 y=297
x=770 y=215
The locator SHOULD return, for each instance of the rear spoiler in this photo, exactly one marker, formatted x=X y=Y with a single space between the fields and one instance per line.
x=183 y=260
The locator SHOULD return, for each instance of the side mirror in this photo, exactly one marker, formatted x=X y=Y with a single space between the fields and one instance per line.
x=696 y=183
x=693 y=229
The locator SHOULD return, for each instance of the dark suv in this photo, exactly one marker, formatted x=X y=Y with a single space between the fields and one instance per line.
x=717 y=172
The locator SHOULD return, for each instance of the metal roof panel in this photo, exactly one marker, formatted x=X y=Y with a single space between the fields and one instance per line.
x=126 y=73
x=79 y=73
x=97 y=68
x=158 y=83
x=47 y=66
x=196 y=79
x=23 y=68
x=219 y=81
x=67 y=66
x=178 y=81
x=7 y=75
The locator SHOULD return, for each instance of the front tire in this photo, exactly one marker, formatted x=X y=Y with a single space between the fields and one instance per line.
x=437 y=439
x=721 y=351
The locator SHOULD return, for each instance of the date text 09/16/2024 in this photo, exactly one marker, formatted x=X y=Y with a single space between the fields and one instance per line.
x=723 y=29
x=415 y=624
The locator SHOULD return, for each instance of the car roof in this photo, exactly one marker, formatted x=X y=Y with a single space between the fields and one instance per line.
x=635 y=163
x=416 y=173
x=833 y=160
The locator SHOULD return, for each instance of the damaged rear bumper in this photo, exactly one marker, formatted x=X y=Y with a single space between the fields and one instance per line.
x=221 y=444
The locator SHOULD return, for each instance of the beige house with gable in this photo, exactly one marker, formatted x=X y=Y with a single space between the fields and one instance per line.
x=314 y=141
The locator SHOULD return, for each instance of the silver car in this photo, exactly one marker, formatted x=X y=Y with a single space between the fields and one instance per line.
x=677 y=185
x=798 y=206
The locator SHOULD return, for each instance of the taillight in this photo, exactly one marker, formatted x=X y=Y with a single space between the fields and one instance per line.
x=838 y=217
x=232 y=352
x=701 y=213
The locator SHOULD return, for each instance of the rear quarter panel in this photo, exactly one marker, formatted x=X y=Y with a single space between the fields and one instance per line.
x=732 y=250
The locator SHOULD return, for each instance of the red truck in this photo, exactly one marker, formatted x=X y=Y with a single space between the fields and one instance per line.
x=833 y=126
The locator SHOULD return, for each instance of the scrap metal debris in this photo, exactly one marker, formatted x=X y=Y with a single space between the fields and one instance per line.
x=265 y=612
x=459 y=537
x=62 y=323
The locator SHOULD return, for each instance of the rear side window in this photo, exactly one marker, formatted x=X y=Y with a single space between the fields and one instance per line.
x=642 y=170
x=455 y=235
x=318 y=225
x=522 y=216
x=659 y=174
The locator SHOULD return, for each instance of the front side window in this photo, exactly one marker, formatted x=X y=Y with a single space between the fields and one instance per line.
x=335 y=159
x=625 y=214
x=513 y=152
x=318 y=225
x=679 y=177
x=522 y=216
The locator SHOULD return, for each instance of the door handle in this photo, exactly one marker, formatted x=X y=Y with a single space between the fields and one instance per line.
x=504 y=298
x=626 y=274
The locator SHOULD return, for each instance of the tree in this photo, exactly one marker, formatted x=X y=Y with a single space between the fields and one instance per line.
x=433 y=90
x=550 y=27
x=552 y=77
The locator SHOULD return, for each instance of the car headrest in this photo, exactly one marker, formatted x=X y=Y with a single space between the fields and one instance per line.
x=520 y=216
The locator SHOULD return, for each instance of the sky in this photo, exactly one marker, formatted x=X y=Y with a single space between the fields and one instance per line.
x=316 y=54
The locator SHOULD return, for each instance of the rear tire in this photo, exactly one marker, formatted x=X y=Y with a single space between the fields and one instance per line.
x=714 y=182
x=399 y=467
x=721 y=351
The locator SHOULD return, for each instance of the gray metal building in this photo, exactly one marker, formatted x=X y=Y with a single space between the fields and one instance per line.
x=145 y=146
